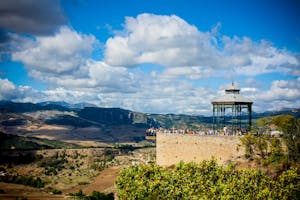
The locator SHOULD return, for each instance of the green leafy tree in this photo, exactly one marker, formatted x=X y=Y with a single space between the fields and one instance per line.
x=291 y=129
x=206 y=180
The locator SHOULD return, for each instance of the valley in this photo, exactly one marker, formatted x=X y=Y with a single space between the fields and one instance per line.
x=53 y=151
x=66 y=171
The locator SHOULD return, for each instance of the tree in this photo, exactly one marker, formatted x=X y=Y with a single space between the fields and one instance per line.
x=291 y=129
x=206 y=180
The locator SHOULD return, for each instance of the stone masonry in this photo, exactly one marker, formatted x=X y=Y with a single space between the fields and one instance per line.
x=172 y=148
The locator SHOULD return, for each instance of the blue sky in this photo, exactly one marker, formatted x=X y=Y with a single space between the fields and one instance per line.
x=159 y=56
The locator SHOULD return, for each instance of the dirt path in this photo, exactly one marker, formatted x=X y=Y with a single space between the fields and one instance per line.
x=104 y=182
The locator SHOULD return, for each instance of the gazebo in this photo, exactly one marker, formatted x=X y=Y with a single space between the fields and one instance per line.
x=235 y=103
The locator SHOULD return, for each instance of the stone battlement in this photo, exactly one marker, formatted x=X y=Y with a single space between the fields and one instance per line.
x=172 y=148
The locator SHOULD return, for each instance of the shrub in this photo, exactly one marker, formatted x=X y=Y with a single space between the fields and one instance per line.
x=55 y=191
x=206 y=180
x=101 y=196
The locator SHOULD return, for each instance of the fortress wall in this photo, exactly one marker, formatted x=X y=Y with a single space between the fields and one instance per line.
x=172 y=148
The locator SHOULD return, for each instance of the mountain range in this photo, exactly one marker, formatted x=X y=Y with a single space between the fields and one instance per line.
x=64 y=121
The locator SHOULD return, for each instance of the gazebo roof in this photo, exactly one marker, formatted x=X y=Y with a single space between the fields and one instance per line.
x=232 y=96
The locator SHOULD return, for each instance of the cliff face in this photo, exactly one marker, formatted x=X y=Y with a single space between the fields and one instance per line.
x=172 y=148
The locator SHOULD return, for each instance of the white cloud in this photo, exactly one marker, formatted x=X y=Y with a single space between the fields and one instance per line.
x=283 y=90
x=159 y=96
x=64 y=60
x=172 y=42
x=103 y=75
x=7 y=89
x=67 y=50
x=164 y=40
x=189 y=72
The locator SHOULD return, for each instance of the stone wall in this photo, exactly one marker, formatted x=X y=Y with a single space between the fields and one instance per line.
x=172 y=148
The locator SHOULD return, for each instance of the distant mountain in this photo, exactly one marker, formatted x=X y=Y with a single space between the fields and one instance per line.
x=13 y=107
x=60 y=121
x=287 y=111
x=94 y=123
x=67 y=105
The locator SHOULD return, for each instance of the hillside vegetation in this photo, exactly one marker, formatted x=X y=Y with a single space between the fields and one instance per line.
x=14 y=142
x=206 y=180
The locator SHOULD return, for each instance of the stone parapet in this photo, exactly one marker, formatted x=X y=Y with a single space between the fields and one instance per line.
x=172 y=148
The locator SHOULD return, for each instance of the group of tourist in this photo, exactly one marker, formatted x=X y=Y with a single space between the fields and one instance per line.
x=224 y=132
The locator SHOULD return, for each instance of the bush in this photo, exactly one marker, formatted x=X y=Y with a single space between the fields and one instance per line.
x=101 y=196
x=55 y=191
x=206 y=180
x=95 y=196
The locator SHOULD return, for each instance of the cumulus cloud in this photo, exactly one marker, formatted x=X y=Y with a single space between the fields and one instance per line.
x=31 y=16
x=164 y=40
x=283 y=90
x=162 y=96
x=64 y=60
x=253 y=58
x=7 y=89
x=61 y=53
x=171 y=42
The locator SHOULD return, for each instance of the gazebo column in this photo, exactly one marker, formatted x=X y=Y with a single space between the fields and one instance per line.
x=249 y=116
x=213 y=117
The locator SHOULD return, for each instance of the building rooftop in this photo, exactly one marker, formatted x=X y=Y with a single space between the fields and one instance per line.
x=232 y=96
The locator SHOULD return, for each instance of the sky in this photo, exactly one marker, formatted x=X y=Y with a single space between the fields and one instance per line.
x=158 y=56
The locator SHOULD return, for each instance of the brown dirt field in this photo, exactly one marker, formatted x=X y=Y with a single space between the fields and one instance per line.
x=104 y=182
x=17 y=191
x=88 y=143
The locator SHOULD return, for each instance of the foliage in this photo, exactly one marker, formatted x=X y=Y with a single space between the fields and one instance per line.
x=291 y=137
x=270 y=150
x=53 y=164
x=101 y=196
x=284 y=122
x=55 y=191
x=206 y=180
x=290 y=126
x=262 y=147
x=94 y=196
x=29 y=181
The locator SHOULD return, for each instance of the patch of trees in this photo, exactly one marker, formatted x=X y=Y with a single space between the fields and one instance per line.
x=206 y=180
x=28 y=181
x=53 y=164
